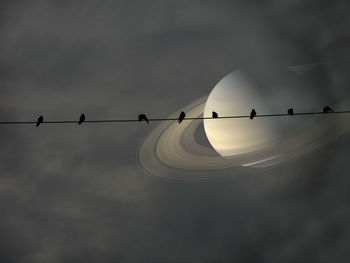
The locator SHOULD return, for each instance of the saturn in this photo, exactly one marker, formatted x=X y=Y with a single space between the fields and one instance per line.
x=236 y=146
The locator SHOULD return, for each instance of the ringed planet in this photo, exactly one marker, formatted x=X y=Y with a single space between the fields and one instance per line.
x=237 y=146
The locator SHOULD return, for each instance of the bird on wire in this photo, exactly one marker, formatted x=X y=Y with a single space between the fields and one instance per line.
x=40 y=120
x=81 y=119
x=252 y=114
x=143 y=117
x=181 y=117
x=327 y=109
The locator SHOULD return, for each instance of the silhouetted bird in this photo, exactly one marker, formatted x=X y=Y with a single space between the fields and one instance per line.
x=291 y=111
x=143 y=117
x=214 y=115
x=40 y=120
x=327 y=109
x=252 y=114
x=181 y=117
x=81 y=119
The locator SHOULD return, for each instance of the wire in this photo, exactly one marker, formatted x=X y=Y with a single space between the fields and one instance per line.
x=173 y=119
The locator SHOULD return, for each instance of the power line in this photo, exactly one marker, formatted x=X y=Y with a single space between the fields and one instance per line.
x=174 y=119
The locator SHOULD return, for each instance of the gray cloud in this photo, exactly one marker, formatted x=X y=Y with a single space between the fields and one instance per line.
x=75 y=194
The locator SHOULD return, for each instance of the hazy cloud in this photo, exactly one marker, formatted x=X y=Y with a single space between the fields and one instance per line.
x=75 y=193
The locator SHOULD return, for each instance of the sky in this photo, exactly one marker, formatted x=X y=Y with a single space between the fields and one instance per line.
x=72 y=193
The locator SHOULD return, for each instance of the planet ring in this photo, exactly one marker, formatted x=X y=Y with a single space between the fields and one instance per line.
x=172 y=152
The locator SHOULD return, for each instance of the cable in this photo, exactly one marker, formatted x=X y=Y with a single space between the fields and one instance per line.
x=174 y=119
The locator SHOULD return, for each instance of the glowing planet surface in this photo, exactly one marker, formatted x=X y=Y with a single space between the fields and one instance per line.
x=236 y=95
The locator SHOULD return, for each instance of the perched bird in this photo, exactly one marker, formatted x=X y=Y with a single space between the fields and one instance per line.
x=252 y=114
x=214 y=115
x=291 y=111
x=143 y=117
x=81 y=119
x=181 y=117
x=327 y=109
x=40 y=120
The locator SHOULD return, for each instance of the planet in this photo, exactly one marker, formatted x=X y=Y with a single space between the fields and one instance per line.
x=235 y=95
x=238 y=147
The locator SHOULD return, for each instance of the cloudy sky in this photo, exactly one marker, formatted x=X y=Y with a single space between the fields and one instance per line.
x=72 y=193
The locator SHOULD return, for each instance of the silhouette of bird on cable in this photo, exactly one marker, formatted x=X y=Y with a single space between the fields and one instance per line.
x=81 y=119
x=291 y=111
x=327 y=109
x=252 y=114
x=181 y=117
x=214 y=115
x=40 y=120
x=143 y=117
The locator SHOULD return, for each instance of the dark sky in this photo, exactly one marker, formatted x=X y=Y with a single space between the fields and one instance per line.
x=75 y=194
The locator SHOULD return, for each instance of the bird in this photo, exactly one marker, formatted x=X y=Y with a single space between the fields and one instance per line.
x=214 y=115
x=143 y=117
x=252 y=114
x=181 y=117
x=40 y=120
x=291 y=111
x=327 y=109
x=81 y=119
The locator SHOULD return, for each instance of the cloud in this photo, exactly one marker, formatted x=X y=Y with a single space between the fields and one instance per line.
x=75 y=193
